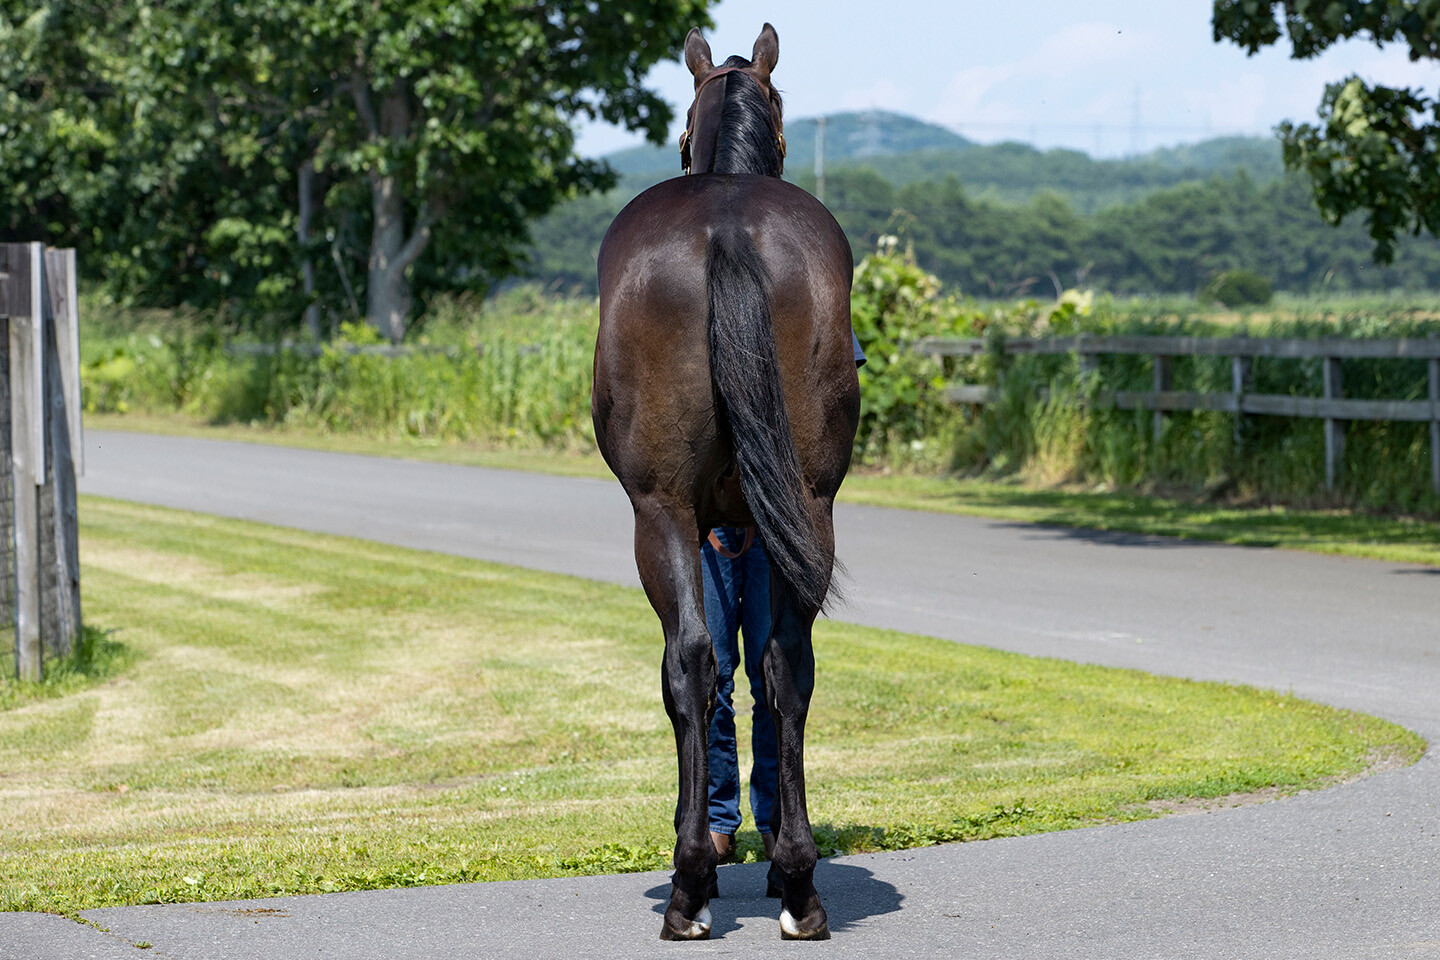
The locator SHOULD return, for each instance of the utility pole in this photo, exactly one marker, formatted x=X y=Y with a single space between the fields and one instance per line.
x=820 y=159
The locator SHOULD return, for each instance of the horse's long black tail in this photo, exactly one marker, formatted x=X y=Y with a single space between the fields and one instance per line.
x=747 y=374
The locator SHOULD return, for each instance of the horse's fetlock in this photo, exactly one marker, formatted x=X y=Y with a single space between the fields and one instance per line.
x=796 y=858
x=694 y=860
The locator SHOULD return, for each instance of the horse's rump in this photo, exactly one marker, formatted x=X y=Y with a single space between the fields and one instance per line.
x=749 y=311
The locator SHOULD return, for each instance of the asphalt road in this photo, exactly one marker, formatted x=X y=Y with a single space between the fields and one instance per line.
x=1353 y=871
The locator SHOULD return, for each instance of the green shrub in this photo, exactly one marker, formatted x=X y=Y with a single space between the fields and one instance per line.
x=904 y=418
x=1237 y=288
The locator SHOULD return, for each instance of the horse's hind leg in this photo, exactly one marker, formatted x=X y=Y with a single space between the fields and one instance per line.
x=789 y=669
x=667 y=551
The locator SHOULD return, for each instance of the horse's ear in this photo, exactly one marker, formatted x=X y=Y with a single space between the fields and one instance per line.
x=697 y=55
x=766 y=53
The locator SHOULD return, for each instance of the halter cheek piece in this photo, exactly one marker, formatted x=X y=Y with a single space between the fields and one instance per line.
x=685 y=135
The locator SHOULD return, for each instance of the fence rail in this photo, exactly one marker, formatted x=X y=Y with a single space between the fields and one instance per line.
x=1333 y=407
x=389 y=351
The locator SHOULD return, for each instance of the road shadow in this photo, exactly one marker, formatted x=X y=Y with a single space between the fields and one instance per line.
x=850 y=894
x=1419 y=572
x=1122 y=538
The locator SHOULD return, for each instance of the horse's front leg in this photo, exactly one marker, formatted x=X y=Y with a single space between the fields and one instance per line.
x=789 y=669
x=667 y=551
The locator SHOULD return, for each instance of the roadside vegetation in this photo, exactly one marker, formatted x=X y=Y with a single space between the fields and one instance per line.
x=303 y=713
x=512 y=374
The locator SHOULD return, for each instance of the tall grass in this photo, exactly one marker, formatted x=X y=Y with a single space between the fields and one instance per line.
x=1046 y=427
x=512 y=371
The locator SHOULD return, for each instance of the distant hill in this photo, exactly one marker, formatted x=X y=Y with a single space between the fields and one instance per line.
x=905 y=150
x=849 y=137
x=1016 y=173
x=1033 y=211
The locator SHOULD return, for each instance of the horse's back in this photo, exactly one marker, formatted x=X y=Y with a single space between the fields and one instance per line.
x=655 y=248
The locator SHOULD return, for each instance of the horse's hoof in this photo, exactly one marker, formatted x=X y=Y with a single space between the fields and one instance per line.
x=816 y=927
x=697 y=929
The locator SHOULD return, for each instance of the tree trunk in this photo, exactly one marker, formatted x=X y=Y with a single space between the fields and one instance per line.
x=387 y=292
x=302 y=229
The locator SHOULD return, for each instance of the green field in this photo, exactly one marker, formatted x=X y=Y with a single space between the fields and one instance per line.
x=283 y=712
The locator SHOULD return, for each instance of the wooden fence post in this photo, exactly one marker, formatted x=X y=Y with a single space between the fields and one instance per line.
x=59 y=527
x=1164 y=369
x=1089 y=362
x=1239 y=386
x=1435 y=420
x=1334 y=429
x=39 y=427
x=25 y=269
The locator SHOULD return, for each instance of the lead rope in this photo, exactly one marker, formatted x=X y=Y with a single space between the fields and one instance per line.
x=720 y=547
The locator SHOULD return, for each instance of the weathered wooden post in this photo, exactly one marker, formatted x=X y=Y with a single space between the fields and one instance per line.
x=59 y=523
x=41 y=422
x=1334 y=427
x=1435 y=418
x=1239 y=386
x=1163 y=373
x=1089 y=361
x=24 y=279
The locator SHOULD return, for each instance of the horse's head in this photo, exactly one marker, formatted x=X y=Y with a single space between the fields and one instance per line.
x=734 y=124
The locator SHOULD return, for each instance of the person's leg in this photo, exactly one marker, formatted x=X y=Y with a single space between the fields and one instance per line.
x=755 y=625
x=722 y=617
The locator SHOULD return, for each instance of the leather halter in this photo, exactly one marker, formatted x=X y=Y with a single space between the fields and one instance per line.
x=690 y=129
x=721 y=549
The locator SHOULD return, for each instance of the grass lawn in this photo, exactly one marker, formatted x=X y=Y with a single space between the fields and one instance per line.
x=1399 y=540
x=281 y=712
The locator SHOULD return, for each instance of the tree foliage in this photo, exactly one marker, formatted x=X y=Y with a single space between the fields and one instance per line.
x=1376 y=148
x=294 y=151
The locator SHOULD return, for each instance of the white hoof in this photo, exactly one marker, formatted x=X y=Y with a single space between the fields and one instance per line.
x=788 y=926
x=700 y=926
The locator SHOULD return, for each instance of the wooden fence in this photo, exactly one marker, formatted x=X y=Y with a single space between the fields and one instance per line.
x=389 y=351
x=1333 y=406
x=40 y=452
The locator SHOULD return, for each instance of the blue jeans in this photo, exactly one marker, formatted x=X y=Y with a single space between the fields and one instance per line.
x=737 y=597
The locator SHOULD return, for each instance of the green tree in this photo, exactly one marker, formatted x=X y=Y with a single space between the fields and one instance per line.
x=1376 y=148
x=423 y=134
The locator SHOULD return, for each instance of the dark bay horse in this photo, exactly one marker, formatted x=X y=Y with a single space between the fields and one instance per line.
x=726 y=395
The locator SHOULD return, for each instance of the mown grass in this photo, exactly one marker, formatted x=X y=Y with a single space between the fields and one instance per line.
x=1342 y=532
x=97 y=657
x=304 y=713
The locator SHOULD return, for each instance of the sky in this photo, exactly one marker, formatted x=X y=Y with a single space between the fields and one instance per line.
x=1110 y=77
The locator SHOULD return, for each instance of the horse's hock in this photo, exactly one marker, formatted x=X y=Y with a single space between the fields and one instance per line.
x=40 y=454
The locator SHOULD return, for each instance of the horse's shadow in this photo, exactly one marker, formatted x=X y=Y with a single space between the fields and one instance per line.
x=850 y=894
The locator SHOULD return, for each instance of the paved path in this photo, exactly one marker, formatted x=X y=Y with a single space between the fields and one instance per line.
x=1349 y=872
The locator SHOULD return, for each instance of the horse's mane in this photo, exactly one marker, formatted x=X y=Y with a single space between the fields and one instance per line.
x=745 y=142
